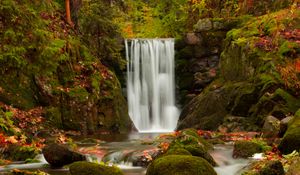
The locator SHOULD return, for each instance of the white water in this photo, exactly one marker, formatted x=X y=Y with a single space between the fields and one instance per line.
x=151 y=84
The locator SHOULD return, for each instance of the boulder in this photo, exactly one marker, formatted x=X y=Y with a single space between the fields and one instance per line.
x=271 y=127
x=204 y=25
x=272 y=168
x=291 y=139
x=192 y=39
x=245 y=149
x=189 y=141
x=177 y=151
x=59 y=155
x=88 y=168
x=191 y=137
x=180 y=165
x=284 y=126
x=16 y=152
x=200 y=151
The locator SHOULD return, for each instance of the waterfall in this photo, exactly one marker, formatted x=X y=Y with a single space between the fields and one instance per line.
x=151 y=84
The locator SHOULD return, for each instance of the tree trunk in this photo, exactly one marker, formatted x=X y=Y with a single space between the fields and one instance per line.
x=68 y=12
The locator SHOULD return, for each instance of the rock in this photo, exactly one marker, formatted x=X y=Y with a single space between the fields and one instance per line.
x=192 y=39
x=143 y=158
x=294 y=168
x=177 y=151
x=204 y=25
x=200 y=151
x=271 y=127
x=272 y=168
x=189 y=140
x=88 y=168
x=180 y=165
x=59 y=155
x=218 y=25
x=245 y=149
x=206 y=111
x=284 y=125
x=191 y=137
x=16 y=152
x=291 y=139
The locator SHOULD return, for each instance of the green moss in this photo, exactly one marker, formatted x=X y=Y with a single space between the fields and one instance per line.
x=291 y=139
x=180 y=165
x=53 y=115
x=245 y=149
x=191 y=136
x=20 y=153
x=200 y=151
x=292 y=103
x=177 y=151
x=88 y=168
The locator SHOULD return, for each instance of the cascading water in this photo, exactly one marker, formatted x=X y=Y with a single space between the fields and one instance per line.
x=151 y=84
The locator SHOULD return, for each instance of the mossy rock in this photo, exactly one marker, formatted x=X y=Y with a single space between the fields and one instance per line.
x=200 y=151
x=191 y=136
x=272 y=168
x=20 y=153
x=245 y=149
x=206 y=111
x=180 y=165
x=177 y=151
x=88 y=168
x=291 y=138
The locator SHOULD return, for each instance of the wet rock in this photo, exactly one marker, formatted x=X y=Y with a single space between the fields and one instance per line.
x=272 y=168
x=88 y=168
x=180 y=164
x=59 y=155
x=291 y=139
x=284 y=125
x=245 y=149
x=271 y=127
x=144 y=158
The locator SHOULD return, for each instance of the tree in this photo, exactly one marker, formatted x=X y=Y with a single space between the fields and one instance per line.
x=68 y=12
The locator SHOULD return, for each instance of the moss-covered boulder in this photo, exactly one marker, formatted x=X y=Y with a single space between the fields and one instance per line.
x=291 y=138
x=17 y=152
x=188 y=142
x=88 y=168
x=245 y=149
x=177 y=151
x=59 y=155
x=206 y=111
x=180 y=165
x=272 y=168
x=200 y=151
x=190 y=136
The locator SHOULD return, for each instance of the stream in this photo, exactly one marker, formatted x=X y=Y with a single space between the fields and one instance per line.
x=122 y=150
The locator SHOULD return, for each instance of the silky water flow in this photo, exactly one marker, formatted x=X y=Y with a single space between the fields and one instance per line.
x=151 y=84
